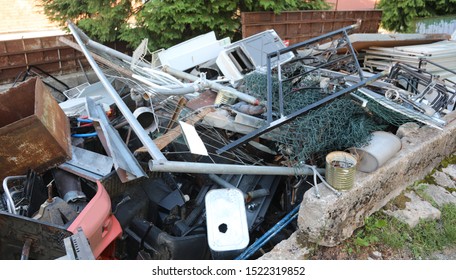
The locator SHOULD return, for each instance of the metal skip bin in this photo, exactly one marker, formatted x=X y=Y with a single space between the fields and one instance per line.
x=34 y=131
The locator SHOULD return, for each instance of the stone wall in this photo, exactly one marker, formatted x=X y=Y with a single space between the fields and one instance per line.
x=330 y=220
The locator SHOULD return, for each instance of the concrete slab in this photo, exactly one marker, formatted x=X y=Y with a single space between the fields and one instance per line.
x=288 y=249
x=415 y=210
x=451 y=171
x=444 y=180
x=440 y=195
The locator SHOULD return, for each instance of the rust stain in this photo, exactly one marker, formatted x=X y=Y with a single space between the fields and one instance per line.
x=39 y=141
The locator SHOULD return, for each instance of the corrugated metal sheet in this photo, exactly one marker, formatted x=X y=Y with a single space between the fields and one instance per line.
x=47 y=53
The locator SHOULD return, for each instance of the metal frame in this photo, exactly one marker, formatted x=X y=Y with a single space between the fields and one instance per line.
x=271 y=123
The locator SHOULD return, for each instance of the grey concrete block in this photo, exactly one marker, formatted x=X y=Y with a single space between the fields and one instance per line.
x=451 y=171
x=288 y=249
x=443 y=179
x=440 y=195
x=415 y=210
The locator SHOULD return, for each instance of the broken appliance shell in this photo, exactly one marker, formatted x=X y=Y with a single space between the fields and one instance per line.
x=34 y=131
x=226 y=220
x=193 y=52
x=250 y=54
x=97 y=221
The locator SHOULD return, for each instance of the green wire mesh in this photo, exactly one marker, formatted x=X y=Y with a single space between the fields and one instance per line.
x=387 y=115
x=337 y=125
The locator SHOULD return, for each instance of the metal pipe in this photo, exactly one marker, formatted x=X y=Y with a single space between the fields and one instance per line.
x=247 y=196
x=216 y=86
x=9 y=199
x=221 y=182
x=100 y=47
x=135 y=125
x=212 y=168
x=167 y=91
x=269 y=234
x=26 y=249
x=123 y=71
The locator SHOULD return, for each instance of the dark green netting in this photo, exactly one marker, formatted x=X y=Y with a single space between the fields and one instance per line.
x=337 y=125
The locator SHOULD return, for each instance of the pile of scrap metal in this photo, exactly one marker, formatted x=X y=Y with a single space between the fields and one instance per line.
x=192 y=152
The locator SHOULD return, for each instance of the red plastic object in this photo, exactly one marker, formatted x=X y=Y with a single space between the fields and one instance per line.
x=98 y=223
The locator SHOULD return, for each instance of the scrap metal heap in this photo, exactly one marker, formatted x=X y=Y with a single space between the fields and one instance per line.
x=199 y=151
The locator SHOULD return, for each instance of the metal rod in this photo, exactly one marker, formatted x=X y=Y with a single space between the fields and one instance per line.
x=162 y=91
x=211 y=84
x=269 y=89
x=355 y=59
x=26 y=249
x=313 y=40
x=269 y=234
x=135 y=125
x=211 y=168
x=221 y=182
x=279 y=75
x=9 y=199
x=123 y=71
x=100 y=47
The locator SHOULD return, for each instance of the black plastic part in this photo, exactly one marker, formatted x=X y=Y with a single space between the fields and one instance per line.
x=161 y=246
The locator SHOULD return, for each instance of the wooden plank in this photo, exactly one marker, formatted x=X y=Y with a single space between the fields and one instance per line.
x=171 y=135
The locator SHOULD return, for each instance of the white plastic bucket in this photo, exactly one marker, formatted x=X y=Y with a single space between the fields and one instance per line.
x=383 y=146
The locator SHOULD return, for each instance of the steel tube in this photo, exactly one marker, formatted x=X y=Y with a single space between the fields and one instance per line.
x=221 y=182
x=211 y=84
x=135 y=125
x=102 y=48
x=167 y=91
x=269 y=234
x=213 y=168
x=10 y=201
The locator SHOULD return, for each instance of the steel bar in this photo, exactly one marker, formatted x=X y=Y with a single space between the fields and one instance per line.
x=123 y=71
x=269 y=234
x=84 y=39
x=211 y=84
x=9 y=199
x=279 y=75
x=296 y=114
x=318 y=68
x=210 y=168
x=26 y=249
x=352 y=52
x=269 y=86
x=112 y=142
x=313 y=40
x=221 y=182
x=165 y=91
x=135 y=125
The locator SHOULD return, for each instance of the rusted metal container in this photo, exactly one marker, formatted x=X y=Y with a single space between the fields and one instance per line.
x=298 y=26
x=34 y=131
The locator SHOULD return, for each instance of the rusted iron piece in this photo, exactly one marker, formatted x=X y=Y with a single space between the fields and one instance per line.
x=34 y=131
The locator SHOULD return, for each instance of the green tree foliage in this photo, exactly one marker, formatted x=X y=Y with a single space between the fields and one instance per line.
x=99 y=18
x=164 y=22
x=398 y=15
